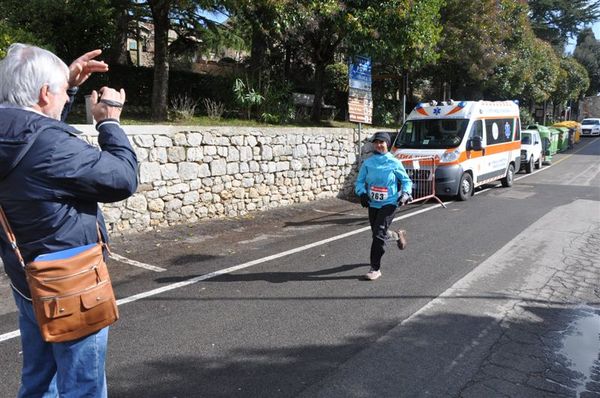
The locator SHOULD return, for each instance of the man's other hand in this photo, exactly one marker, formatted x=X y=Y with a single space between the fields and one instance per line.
x=84 y=66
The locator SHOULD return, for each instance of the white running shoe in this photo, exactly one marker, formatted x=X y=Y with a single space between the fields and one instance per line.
x=401 y=239
x=373 y=274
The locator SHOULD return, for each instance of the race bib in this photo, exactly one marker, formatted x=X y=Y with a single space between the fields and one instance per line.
x=378 y=194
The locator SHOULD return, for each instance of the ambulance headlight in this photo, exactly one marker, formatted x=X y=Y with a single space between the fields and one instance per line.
x=450 y=156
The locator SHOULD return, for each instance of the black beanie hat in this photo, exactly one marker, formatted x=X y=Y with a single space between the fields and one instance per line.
x=382 y=136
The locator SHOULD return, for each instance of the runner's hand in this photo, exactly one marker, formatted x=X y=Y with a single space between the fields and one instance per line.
x=405 y=198
x=364 y=200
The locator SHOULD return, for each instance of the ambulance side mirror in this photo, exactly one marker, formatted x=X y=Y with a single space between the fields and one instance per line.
x=474 y=144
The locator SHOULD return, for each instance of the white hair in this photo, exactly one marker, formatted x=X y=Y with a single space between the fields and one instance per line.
x=25 y=70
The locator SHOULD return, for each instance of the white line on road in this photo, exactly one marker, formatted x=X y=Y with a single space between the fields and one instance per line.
x=10 y=335
x=136 y=297
x=214 y=274
x=137 y=263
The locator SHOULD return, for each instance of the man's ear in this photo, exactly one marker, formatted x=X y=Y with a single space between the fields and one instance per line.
x=44 y=97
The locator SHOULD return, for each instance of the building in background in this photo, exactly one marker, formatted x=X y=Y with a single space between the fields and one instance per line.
x=590 y=107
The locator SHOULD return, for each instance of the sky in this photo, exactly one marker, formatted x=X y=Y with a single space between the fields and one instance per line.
x=215 y=16
x=571 y=46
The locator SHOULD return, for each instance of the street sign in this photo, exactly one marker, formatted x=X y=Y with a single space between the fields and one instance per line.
x=360 y=100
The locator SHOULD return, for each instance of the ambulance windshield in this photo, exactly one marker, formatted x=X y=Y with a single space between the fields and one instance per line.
x=432 y=133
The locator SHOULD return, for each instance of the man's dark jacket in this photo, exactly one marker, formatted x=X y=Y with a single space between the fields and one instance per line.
x=51 y=182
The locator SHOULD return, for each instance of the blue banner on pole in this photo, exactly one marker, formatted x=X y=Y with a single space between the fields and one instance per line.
x=359 y=73
x=360 y=100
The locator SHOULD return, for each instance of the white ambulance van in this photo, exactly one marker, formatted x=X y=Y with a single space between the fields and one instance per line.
x=473 y=143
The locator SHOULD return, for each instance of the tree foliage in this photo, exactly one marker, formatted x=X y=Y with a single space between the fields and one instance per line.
x=555 y=21
x=587 y=52
x=10 y=35
x=69 y=28
x=494 y=49
x=479 y=41
x=573 y=81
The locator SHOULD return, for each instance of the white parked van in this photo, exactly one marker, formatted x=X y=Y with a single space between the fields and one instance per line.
x=473 y=142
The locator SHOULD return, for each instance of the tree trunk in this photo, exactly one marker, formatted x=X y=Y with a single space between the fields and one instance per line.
x=160 y=89
x=287 y=65
x=319 y=80
x=258 y=52
x=119 y=52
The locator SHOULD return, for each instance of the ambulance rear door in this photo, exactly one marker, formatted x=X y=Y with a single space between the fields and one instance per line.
x=497 y=151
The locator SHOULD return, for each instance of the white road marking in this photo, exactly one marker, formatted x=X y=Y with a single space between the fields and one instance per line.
x=137 y=263
x=154 y=292
x=10 y=335
x=173 y=286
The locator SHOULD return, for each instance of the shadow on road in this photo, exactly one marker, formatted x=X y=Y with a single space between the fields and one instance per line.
x=441 y=355
x=192 y=259
x=278 y=277
x=282 y=277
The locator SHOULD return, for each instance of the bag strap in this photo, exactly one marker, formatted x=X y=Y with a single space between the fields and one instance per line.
x=13 y=240
x=10 y=236
x=100 y=240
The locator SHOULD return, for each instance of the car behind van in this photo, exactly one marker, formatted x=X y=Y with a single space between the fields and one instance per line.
x=590 y=126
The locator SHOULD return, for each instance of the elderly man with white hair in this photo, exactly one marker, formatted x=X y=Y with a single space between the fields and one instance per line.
x=50 y=185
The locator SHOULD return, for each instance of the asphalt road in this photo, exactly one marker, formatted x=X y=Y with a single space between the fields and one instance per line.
x=275 y=305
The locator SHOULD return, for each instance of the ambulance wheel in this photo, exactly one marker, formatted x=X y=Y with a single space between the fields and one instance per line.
x=465 y=188
x=529 y=166
x=510 y=176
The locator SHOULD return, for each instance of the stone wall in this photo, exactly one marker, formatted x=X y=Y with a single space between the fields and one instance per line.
x=192 y=173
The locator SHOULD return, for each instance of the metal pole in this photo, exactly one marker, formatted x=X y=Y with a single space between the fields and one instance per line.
x=139 y=44
x=359 y=143
x=403 y=108
x=544 y=119
x=404 y=90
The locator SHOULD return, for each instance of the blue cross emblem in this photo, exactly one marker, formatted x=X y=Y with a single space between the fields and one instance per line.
x=437 y=111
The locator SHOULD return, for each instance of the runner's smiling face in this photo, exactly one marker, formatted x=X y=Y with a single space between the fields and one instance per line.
x=380 y=146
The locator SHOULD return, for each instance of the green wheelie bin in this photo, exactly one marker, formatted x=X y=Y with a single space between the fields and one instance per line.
x=549 y=141
x=563 y=138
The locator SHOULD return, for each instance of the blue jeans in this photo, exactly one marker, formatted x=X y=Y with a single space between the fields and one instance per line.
x=74 y=369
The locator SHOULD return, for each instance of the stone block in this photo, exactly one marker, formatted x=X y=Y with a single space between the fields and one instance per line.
x=218 y=167
x=137 y=203
x=169 y=171
x=176 y=154
x=163 y=141
x=188 y=171
x=150 y=172
x=144 y=141
x=194 y=139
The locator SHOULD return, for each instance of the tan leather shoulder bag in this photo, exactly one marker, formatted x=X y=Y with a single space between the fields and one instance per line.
x=72 y=295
